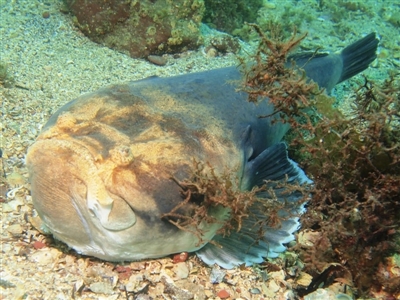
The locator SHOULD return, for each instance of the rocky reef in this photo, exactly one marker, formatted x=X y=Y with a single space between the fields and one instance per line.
x=140 y=28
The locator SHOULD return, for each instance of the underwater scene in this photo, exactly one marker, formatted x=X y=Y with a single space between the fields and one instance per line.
x=199 y=149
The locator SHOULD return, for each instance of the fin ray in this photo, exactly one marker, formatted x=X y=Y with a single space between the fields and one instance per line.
x=255 y=241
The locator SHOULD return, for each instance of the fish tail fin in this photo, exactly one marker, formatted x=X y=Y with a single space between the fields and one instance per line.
x=247 y=246
x=357 y=57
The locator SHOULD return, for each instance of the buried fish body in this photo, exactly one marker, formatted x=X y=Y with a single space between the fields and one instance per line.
x=107 y=166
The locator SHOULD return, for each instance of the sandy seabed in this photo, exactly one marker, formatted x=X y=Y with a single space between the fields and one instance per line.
x=51 y=62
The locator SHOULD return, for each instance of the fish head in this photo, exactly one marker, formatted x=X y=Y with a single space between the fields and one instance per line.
x=105 y=180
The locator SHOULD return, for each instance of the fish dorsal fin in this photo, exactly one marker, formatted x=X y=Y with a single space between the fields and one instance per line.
x=246 y=246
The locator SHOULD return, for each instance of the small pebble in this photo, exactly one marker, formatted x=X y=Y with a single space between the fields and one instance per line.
x=255 y=291
x=123 y=272
x=15 y=229
x=78 y=286
x=45 y=256
x=211 y=52
x=15 y=179
x=181 y=270
x=6 y=248
x=136 y=286
x=216 y=275
x=101 y=288
x=304 y=279
x=46 y=14
x=6 y=208
x=223 y=294
x=6 y=284
x=143 y=297
x=157 y=60
x=273 y=286
x=39 y=245
x=181 y=257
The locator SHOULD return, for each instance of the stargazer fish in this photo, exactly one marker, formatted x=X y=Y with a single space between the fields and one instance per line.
x=106 y=167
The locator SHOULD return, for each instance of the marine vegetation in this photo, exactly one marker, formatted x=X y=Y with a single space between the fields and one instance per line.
x=354 y=160
x=230 y=15
x=208 y=190
x=269 y=76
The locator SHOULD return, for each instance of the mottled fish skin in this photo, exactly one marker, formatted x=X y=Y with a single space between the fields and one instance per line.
x=107 y=158
x=101 y=168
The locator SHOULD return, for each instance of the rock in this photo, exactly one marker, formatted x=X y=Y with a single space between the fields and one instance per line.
x=211 y=51
x=225 y=43
x=78 y=287
x=101 y=288
x=267 y=292
x=143 y=297
x=123 y=272
x=209 y=294
x=46 y=14
x=39 y=245
x=6 y=208
x=217 y=275
x=223 y=294
x=304 y=279
x=15 y=230
x=136 y=284
x=142 y=27
x=255 y=291
x=273 y=286
x=157 y=60
x=175 y=292
x=6 y=284
x=193 y=288
x=45 y=256
x=15 y=179
x=181 y=270
x=181 y=257
x=6 y=248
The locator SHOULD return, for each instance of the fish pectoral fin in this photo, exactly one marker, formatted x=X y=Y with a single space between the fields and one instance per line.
x=114 y=214
x=247 y=247
x=272 y=164
x=256 y=239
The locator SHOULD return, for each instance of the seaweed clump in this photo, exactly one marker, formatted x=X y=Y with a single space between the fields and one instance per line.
x=287 y=89
x=354 y=214
x=216 y=199
x=356 y=199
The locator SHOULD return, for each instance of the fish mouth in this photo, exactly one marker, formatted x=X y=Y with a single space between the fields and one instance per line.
x=48 y=169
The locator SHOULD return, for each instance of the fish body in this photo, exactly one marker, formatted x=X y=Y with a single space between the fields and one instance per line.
x=104 y=169
x=159 y=126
